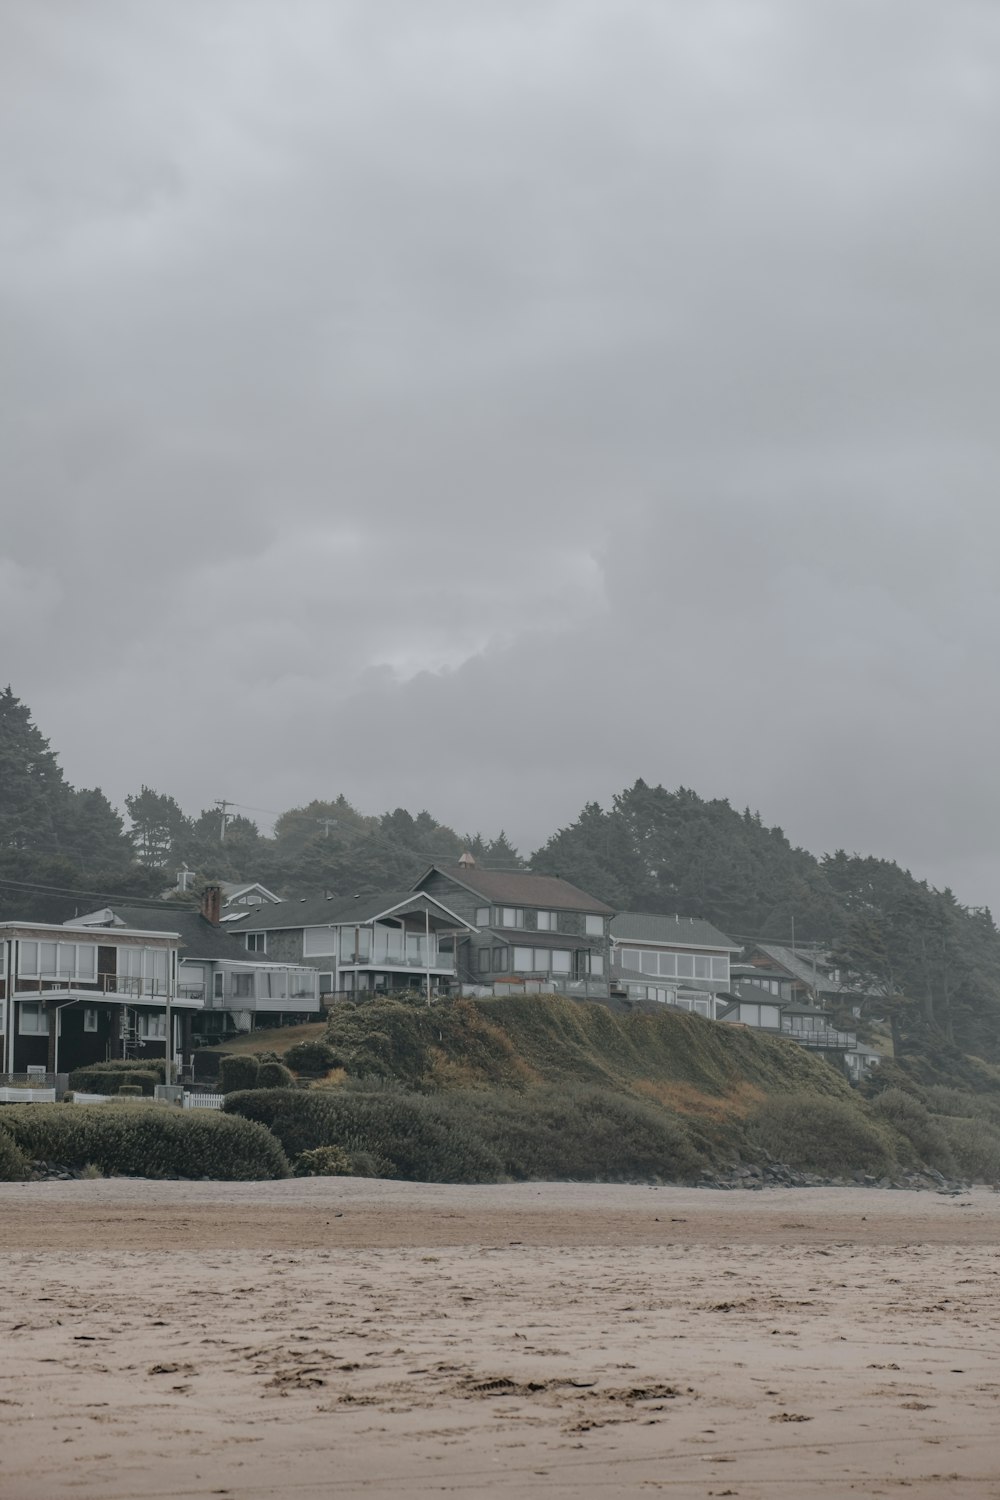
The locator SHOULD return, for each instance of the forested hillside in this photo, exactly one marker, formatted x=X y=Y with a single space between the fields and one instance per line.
x=930 y=964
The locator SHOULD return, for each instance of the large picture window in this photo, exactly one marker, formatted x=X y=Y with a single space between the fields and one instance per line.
x=145 y=967
x=594 y=926
x=45 y=960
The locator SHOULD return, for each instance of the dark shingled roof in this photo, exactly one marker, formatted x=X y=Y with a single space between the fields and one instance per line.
x=320 y=911
x=199 y=939
x=520 y=888
x=679 y=932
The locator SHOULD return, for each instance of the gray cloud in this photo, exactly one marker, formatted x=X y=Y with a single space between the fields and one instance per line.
x=479 y=407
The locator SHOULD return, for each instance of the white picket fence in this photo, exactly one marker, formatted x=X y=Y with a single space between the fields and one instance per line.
x=192 y=1101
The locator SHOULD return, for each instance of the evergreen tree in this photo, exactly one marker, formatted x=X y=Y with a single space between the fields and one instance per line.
x=158 y=825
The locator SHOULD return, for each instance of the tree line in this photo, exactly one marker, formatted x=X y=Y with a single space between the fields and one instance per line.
x=930 y=964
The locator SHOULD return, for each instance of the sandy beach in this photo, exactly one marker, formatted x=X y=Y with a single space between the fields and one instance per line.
x=343 y=1337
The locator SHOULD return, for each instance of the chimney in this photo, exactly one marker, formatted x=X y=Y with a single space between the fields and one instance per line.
x=211 y=904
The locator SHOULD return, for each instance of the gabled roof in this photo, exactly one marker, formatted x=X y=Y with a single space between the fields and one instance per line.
x=199 y=939
x=800 y=966
x=677 y=932
x=232 y=891
x=322 y=911
x=519 y=888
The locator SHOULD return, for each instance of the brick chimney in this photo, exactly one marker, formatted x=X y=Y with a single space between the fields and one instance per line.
x=211 y=904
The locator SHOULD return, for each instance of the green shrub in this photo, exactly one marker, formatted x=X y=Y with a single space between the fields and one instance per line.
x=928 y=1143
x=102 y=1079
x=130 y=1064
x=274 y=1075
x=324 y=1161
x=312 y=1057
x=13 y=1165
x=411 y=1131
x=238 y=1071
x=138 y=1140
x=975 y=1145
x=942 y=1100
x=478 y=1136
x=818 y=1134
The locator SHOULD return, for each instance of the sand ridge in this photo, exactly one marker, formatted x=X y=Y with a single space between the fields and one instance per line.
x=550 y=1340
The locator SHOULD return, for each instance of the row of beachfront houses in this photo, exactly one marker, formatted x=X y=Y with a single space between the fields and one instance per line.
x=120 y=981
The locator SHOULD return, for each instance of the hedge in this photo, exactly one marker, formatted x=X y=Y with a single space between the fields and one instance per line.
x=274 y=1075
x=145 y=1140
x=312 y=1057
x=129 y=1065
x=238 y=1071
x=101 y=1079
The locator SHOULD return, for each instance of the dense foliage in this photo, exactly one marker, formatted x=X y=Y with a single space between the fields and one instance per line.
x=578 y=1134
x=928 y=964
x=145 y=1140
x=104 y=1080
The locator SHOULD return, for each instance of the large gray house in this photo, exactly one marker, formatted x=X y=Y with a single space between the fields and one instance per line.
x=526 y=933
x=680 y=961
x=395 y=940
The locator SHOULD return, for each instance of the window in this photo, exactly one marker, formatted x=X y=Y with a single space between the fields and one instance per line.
x=482 y=916
x=326 y=984
x=59 y=961
x=217 y=982
x=524 y=959
x=702 y=966
x=668 y=965
x=631 y=958
x=720 y=968
x=592 y=963
x=562 y=960
x=355 y=944
x=33 y=1021
x=89 y=1019
x=650 y=961
x=501 y=957
x=511 y=916
x=593 y=926
x=484 y=960
x=145 y=967
x=685 y=966
x=256 y=942
x=302 y=983
x=242 y=986
x=548 y=921
x=319 y=941
x=272 y=984
x=151 y=1027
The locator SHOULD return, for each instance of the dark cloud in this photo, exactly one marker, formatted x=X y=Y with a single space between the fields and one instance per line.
x=479 y=407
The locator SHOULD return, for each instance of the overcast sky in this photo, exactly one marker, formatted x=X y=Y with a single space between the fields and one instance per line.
x=476 y=406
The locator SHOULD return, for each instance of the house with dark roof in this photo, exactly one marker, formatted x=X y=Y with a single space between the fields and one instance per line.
x=526 y=933
x=222 y=986
x=392 y=941
x=70 y=996
x=674 y=960
x=802 y=973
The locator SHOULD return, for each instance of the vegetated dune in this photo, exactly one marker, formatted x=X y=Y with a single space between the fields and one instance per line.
x=518 y=1041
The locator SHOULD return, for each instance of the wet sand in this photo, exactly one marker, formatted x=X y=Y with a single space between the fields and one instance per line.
x=341 y=1337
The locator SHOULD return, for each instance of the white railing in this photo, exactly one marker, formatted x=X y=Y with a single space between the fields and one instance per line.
x=79 y=1098
x=203 y=1101
x=27 y=1096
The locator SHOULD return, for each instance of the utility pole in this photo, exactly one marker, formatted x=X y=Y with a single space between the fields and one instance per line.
x=222 y=804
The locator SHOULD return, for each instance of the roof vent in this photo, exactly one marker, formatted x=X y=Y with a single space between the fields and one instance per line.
x=467 y=861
